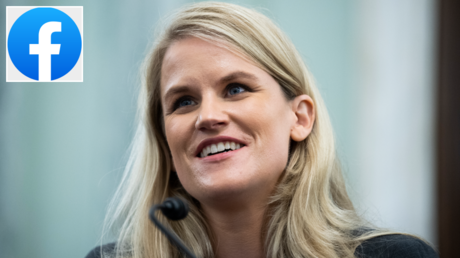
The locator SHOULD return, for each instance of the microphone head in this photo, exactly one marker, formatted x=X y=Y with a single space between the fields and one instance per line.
x=174 y=208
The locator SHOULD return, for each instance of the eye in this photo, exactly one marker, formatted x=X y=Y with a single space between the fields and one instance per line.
x=183 y=102
x=235 y=88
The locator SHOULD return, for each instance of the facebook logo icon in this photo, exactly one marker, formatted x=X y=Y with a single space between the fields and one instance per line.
x=44 y=44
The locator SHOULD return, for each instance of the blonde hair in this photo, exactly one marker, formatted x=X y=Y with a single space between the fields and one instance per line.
x=310 y=213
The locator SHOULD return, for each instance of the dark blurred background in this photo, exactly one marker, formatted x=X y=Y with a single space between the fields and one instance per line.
x=378 y=65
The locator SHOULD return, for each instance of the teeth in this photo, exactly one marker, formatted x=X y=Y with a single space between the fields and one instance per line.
x=213 y=148
x=204 y=152
x=219 y=147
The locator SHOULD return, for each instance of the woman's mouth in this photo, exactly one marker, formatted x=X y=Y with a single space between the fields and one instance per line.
x=220 y=147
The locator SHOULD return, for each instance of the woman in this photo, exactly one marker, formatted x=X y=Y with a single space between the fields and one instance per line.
x=232 y=122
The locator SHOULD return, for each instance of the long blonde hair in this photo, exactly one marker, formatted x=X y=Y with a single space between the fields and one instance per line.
x=310 y=213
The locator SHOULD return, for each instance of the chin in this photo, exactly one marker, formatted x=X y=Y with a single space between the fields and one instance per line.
x=224 y=192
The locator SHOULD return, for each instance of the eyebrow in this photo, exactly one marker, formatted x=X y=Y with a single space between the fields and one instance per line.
x=176 y=90
x=236 y=75
x=185 y=88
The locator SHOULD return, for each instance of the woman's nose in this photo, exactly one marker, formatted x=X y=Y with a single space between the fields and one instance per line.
x=212 y=115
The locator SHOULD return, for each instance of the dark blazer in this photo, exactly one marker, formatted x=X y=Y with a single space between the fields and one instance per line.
x=390 y=246
x=395 y=246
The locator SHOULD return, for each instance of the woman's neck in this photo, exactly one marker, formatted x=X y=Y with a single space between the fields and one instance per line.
x=238 y=233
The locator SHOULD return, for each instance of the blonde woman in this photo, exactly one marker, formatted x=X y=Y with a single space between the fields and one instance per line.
x=232 y=122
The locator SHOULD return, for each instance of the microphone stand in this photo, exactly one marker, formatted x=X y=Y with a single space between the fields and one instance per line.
x=174 y=209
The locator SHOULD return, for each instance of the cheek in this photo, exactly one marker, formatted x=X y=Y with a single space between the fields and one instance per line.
x=275 y=121
x=175 y=131
x=277 y=147
x=273 y=127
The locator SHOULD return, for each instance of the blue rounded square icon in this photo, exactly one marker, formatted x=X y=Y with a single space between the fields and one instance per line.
x=44 y=44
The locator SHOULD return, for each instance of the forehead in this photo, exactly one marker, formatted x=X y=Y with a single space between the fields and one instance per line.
x=192 y=60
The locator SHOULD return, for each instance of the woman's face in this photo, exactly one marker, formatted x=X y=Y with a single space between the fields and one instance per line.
x=227 y=123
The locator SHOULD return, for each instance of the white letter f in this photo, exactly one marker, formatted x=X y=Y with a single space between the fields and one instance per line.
x=44 y=49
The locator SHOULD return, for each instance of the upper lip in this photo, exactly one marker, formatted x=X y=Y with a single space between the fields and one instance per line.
x=218 y=139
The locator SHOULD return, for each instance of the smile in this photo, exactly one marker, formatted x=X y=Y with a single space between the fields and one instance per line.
x=217 y=148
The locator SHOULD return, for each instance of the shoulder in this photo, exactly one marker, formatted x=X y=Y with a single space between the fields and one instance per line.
x=96 y=252
x=395 y=246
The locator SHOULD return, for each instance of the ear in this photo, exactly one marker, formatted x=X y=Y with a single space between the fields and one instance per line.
x=304 y=111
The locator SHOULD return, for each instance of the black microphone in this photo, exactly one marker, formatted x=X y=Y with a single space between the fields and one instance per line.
x=173 y=209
